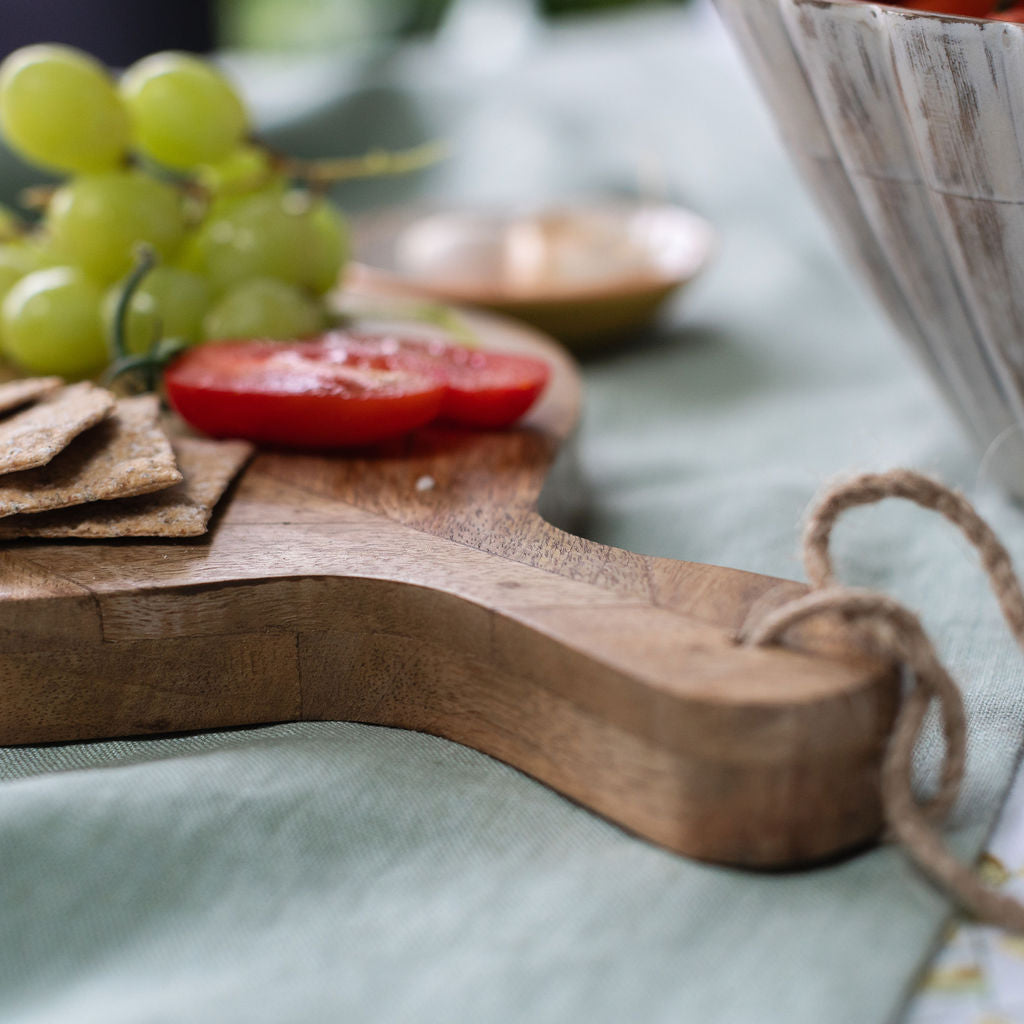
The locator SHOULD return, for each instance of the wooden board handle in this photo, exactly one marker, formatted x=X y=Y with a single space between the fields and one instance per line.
x=416 y=586
x=653 y=718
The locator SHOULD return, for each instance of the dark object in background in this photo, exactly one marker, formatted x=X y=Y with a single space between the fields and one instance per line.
x=116 y=31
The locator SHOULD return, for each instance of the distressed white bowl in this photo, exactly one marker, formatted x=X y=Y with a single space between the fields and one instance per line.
x=909 y=128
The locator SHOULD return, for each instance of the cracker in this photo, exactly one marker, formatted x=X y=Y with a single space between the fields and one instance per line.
x=183 y=510
x=32 y=437
x=126 y=454
x=16 y=393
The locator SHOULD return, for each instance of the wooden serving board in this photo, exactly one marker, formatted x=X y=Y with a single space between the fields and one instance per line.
x=418 y=587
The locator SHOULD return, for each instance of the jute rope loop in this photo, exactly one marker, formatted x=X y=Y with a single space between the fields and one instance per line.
x=888 y=630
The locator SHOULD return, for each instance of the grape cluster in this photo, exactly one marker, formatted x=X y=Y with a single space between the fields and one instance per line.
x=162 y=157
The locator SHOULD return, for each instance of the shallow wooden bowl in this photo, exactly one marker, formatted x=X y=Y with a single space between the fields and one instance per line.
x=585 y=274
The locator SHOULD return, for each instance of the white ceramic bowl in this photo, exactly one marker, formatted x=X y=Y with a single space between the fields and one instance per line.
x=909 y=127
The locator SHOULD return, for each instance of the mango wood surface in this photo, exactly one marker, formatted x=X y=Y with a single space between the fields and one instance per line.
x=344 y=587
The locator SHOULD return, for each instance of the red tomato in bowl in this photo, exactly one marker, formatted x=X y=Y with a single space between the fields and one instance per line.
x=342 y=390
x=1011 y=14
x=961 y=8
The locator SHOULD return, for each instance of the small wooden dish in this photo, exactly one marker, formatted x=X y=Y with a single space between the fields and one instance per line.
x=585 y=274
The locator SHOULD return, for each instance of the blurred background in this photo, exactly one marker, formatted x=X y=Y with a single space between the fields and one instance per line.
x=324 y=78
x=119 y=31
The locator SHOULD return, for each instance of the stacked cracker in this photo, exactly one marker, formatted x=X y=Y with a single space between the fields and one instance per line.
x=76 y=461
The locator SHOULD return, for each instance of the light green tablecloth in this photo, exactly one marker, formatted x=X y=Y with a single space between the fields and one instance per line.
x=343 y=873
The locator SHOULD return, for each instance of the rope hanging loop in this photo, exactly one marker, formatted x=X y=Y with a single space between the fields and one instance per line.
x=888 y=630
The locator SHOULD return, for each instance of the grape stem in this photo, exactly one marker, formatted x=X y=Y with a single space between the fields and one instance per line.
x=160 y=352
x=148 y=364
x=377 y=163
x=145 y=261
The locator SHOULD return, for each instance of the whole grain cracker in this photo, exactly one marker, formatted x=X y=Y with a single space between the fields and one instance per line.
x=183 y=510
x=128 y=453
x=16 y=393
x=32 y=437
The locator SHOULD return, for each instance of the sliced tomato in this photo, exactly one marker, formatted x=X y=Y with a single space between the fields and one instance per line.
x=486 y=389
x=320 y=393
x=344 y=389
x=490 y=389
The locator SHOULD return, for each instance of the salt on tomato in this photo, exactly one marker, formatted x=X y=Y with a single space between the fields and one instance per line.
x=306 y=394
x=344 y=388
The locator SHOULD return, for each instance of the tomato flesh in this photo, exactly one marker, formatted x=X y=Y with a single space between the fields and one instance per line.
x=490 y=389
x=485 y=389
x=309 y=394
x=345 y=389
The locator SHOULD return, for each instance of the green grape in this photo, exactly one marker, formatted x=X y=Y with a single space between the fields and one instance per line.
x=190 y=255
x=9 y=276
x=96 y=221
x=169 y=303
x=51 y=323
x=42 y=254
x=246 y=169
x=260 y=235
x=36 y=251
x=183 y=111
x=16 y=260
x=14 y=265
x=327 y=248
x=59 y=108
x=263 y=307
x=224 y=204
x=19 y=257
